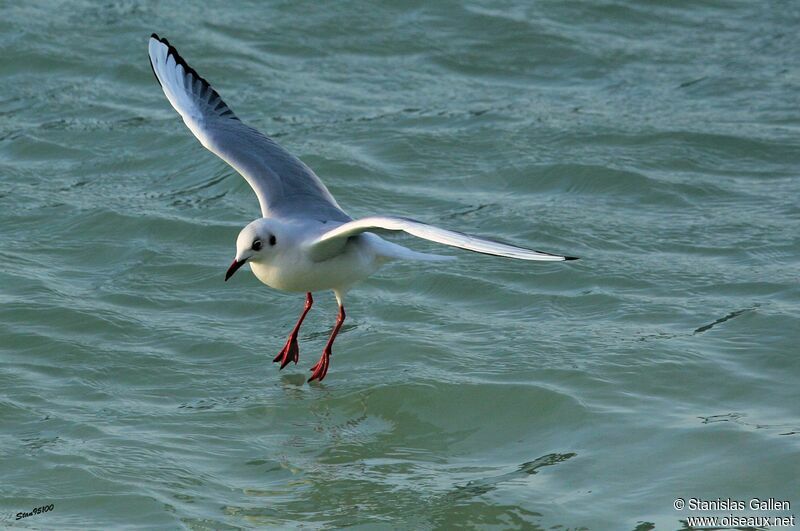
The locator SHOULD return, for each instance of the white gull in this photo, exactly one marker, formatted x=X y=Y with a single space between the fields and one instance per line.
x=304 y=241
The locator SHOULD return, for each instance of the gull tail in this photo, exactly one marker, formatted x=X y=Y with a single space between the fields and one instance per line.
x=391 y=251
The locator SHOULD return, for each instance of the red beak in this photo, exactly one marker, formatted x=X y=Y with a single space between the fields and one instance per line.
x=233 y=268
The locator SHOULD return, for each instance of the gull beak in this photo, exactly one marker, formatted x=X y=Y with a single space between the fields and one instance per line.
x=234 y=267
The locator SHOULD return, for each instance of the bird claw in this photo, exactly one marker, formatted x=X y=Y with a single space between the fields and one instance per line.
x=321 y=368
x=290 y=352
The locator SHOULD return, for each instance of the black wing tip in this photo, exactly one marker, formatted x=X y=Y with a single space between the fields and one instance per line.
x=165 y=42
x=162 y=40
x=571 y=258
x=171 y=50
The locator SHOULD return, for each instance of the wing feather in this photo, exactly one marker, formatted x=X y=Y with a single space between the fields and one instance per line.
x=332 y=239
x=283 y=184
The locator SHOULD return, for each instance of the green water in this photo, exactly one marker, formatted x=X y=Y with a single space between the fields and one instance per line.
x=659 y=143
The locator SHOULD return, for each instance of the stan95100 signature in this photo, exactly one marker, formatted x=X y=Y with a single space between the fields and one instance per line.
x=35 y=510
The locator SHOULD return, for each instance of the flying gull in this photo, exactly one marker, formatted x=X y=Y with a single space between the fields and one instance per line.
x=304 y=241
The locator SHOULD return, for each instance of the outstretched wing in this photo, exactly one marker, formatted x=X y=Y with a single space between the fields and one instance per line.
x=284 y=185
x=327 y=244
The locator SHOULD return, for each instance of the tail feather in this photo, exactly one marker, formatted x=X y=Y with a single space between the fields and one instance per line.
x=392 y=251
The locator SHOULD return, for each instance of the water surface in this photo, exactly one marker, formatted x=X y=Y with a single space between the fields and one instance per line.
x=661 y=144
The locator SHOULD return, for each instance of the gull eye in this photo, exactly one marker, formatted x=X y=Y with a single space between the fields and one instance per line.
x=257 y=245
x=272 y=240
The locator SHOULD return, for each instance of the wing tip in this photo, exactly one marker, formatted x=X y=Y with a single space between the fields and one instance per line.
x=179 y=60
x=171 y=50
x=555 y=257
x=150 y=57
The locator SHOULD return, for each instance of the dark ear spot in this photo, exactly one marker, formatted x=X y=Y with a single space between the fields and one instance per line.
x=272 y=239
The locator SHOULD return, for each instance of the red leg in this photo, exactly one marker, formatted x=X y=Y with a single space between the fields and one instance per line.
x=321 y=368
x=291 y=351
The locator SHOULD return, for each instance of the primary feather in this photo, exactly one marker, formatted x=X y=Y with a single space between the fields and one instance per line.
x=283 y=183
x=322 y=246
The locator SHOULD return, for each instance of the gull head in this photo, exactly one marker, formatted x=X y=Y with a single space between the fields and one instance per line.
x=255 y=243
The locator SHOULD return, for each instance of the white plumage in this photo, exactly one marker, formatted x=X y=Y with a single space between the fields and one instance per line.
x=304 y=241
